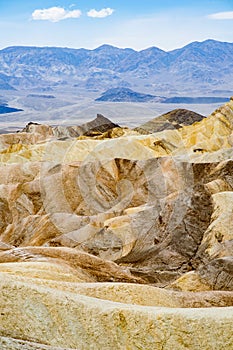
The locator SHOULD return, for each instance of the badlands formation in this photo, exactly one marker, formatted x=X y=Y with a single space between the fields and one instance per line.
x=112 y=238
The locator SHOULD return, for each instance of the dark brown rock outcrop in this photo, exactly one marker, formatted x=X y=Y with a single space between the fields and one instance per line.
x=174 y=119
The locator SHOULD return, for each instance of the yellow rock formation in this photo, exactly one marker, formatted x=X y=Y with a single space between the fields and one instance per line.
x=94 y=221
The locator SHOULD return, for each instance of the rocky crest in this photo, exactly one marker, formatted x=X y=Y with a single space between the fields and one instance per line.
x=172 y=120
x=103 y=228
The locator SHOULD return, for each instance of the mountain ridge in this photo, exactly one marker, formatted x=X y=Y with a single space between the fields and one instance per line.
x=196 y=42
x=203 y=65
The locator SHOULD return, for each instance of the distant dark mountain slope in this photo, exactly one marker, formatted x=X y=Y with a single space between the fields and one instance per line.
x=40 y=96
x=5 y=109
x=195 y=100
x=5 y=86
x=143 y=60
x=4 y=82
x=125 y=95
x=171 y=120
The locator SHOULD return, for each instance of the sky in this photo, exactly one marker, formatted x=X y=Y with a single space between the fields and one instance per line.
x=167 y=24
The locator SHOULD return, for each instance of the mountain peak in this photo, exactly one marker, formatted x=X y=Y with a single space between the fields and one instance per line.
x=122 y=94
x=105 y=47
x=205 y=43
x=109 y=48
x=152 y=49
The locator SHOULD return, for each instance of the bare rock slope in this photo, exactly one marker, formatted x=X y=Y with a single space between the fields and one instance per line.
x=169 y=121
x=104 y=228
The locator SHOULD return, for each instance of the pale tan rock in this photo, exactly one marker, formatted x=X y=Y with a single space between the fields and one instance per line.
x=96 y=268
x=43 y=270
x=115 y=206
x=7 y=343
x=73 y=320
x=221 y=228
x=216 y=249
x=190 y=282
x=208 y=135
x=159 y=210
x=99 y=125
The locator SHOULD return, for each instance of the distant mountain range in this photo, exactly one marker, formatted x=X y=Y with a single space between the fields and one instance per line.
x=199 y=67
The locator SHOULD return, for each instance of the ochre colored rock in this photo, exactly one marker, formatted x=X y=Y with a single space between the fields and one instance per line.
x=68 y=319
x=110 y=239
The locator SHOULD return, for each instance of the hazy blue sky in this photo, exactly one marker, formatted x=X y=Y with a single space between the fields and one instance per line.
x=167 y=24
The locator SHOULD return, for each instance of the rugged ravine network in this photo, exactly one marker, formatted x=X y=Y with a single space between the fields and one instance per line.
x=112 y=238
